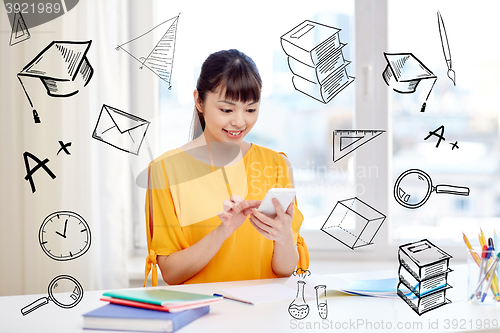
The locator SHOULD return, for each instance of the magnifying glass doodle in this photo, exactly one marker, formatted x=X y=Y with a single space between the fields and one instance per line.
x=414 y=187
x=58 y=293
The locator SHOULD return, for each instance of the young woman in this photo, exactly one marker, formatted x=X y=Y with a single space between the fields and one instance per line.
x=202 y=198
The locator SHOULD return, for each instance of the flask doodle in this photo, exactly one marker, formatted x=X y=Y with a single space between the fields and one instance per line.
x=299 y=309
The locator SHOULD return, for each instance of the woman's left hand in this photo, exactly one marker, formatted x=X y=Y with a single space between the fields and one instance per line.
x=278 y=229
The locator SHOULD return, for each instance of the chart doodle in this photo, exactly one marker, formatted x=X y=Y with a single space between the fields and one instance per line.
x=158 y=58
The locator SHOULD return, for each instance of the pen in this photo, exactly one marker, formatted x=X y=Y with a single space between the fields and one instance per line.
x=234 y=299
x=495 y=242
x=491 y=273
x=494 y=251
x=491 y=248
x=482 y=271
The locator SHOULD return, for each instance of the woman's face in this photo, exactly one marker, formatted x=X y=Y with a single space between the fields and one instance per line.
x=226 y=120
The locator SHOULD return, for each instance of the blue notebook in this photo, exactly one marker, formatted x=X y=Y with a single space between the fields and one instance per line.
x=127 y=318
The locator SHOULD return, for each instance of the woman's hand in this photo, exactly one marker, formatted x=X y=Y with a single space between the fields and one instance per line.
x=278 y=229
x=235 y=213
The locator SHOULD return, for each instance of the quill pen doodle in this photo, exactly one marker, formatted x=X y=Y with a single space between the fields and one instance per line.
x=446 y=47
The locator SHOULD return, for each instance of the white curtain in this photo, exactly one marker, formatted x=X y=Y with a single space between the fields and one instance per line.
x=96 y=180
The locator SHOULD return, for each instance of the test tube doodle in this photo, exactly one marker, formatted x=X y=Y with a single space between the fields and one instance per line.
x=321 y=301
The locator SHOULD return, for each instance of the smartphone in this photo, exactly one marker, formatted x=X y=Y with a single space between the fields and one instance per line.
x=284 y=196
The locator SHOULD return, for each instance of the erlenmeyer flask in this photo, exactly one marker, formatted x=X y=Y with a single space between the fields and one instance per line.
x=321 y=301
x=299 y=309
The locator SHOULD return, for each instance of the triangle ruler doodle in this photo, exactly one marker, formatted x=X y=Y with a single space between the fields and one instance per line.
x=20 y=32
x=346 y=141
x=159 y=57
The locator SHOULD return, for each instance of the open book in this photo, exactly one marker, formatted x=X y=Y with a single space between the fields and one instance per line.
x=373 y=288
x=275 y=292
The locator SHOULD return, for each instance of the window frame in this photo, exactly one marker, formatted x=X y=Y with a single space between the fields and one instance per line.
x=372 y=111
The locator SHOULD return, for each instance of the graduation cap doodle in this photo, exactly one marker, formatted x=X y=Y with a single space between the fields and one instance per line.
x=62 y=67
x=404 y=73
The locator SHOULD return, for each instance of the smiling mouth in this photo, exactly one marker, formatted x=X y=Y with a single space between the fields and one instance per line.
x=234 y=133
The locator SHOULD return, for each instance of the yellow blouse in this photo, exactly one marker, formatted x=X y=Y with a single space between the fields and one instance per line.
x=182 y=201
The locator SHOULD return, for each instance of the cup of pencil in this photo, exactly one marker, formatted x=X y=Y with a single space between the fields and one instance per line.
x=483 y=263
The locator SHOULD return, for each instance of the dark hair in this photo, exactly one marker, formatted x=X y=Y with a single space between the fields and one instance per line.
x=231 y=70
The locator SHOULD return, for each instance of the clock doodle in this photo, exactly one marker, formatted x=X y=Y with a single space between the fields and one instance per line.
x=64 y=235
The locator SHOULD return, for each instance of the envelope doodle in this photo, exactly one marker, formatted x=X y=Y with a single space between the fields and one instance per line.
x=62 y=67
x=120 y=129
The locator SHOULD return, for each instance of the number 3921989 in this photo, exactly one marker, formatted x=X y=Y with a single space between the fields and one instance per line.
x=26 y=8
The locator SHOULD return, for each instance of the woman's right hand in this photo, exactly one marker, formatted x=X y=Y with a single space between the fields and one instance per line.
x=235 y=213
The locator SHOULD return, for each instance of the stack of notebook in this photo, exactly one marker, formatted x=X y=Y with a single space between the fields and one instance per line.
x=316 y=59
x=423 y=275
x=150 y=310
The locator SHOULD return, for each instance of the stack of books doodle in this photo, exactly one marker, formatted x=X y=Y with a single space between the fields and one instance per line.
x=423 y=276
x=316 y=59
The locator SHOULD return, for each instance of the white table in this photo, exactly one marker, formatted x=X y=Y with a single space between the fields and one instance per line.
x=345 y=313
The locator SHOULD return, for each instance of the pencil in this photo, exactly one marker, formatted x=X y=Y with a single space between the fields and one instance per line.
x=234 y=299
x=494 y=284
x=472 y=252
x=482 y=237
x=481 y=241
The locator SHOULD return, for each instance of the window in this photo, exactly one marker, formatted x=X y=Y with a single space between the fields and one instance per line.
x=290 y=121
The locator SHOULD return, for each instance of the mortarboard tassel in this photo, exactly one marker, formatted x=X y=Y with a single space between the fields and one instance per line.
x=35 y=117
x=425 y=103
